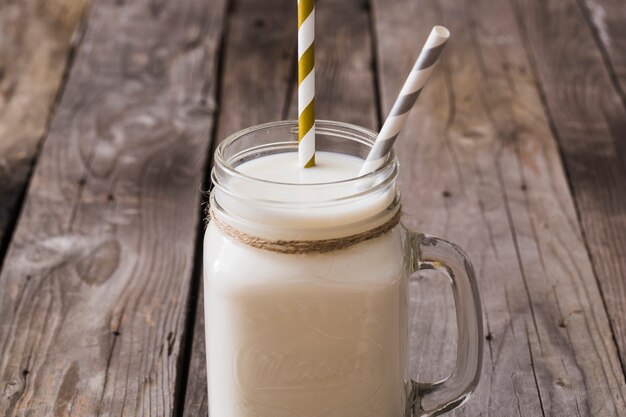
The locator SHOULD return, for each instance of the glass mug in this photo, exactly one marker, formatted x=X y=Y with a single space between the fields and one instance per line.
x=321 y=334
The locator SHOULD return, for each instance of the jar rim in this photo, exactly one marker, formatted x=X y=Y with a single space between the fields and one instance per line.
x=262 y=208
x=322 y=126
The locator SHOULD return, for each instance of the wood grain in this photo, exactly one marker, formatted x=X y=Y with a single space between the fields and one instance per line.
x=96 y=280
x=607 y=18
x=257 y=71
x=482 y=168
x=36 y=41
x=589 y=120
x=345 y=92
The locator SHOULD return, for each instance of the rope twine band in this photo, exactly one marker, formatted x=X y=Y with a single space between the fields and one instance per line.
x=298 y=247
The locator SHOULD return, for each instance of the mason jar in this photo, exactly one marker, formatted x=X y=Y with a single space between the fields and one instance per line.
x=305 y=289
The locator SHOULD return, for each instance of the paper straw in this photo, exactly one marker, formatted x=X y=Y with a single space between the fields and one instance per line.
x=306 y=83
x=406 y=99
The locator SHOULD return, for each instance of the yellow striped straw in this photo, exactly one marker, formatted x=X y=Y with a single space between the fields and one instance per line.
x=306 y=83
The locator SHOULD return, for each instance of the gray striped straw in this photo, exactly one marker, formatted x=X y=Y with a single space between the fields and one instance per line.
x=408 y=96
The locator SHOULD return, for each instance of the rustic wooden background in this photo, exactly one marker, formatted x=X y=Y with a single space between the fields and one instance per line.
x=109 y=111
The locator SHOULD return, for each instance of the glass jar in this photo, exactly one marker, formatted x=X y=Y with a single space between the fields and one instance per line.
x=306 y=289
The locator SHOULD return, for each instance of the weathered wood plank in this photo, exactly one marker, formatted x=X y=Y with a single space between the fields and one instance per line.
x=608 y=19
x=345 y=91
x=35 y=45
x=481 y=167
x=96 y=280
x=589 y=120
x=257 y=70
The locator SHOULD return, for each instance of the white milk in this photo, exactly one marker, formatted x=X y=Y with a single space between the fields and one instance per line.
x=306 y=335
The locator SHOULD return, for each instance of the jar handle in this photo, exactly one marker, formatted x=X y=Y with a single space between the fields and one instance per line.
x=430 y=399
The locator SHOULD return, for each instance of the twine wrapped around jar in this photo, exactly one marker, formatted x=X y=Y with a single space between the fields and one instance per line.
x=297 y=247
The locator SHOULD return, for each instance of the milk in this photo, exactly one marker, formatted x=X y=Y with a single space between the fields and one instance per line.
x=315 y=335
x=284 y=168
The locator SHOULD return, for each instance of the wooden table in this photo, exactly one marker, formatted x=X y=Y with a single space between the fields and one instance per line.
x=109 y=112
